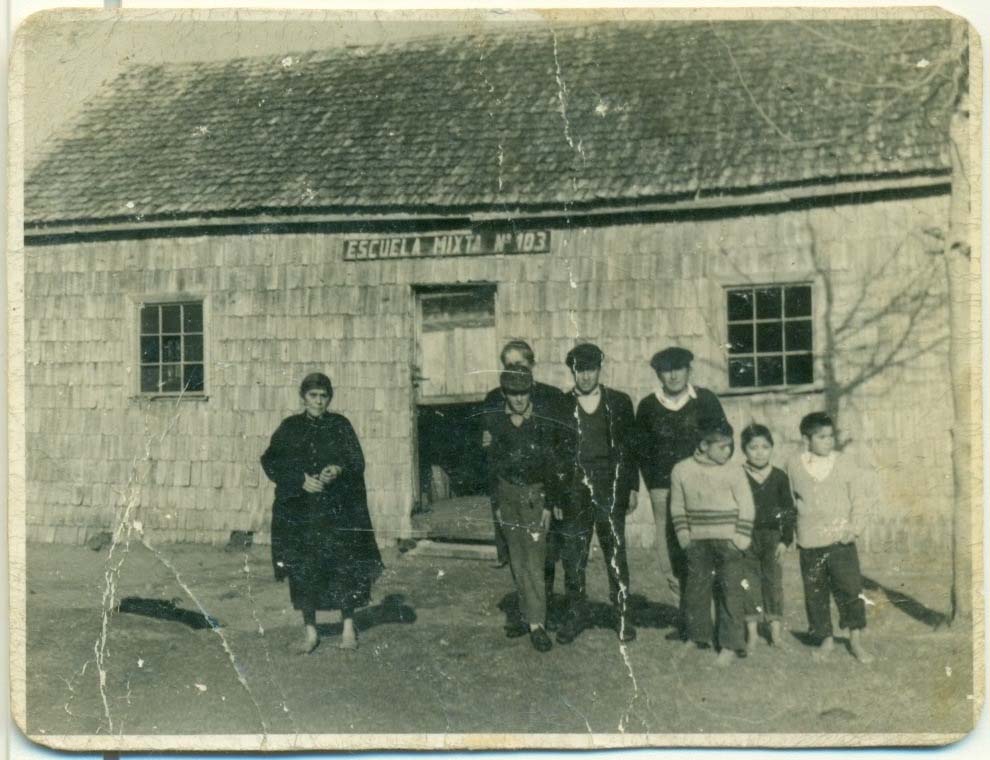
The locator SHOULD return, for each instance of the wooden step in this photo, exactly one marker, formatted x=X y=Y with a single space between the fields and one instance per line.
x=453 y=550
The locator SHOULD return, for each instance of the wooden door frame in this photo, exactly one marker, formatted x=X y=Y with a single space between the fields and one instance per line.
x=415 y=367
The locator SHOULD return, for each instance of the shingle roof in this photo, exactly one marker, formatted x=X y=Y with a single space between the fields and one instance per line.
x=594 y=115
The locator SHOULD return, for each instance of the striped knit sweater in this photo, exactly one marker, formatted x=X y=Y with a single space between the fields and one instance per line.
x=710 y=501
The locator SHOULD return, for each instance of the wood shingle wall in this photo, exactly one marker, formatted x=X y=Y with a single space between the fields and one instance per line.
x=280 y=306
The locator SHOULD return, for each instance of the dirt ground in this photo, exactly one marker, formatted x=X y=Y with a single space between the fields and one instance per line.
x=433 y=656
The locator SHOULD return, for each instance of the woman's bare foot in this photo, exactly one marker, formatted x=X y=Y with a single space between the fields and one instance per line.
x=308 y=644
x=348 y=639
x=752 y=636
x=724 y=658
x=824 y=649
x=857 y=649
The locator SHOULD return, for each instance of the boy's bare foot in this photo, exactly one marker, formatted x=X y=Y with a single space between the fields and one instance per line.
x=857 y=649
x=348 y=639
x=776 y=635
x=824 y=649
x=724 y=658
x=861 y=654
x=752 y=635
x=308 y=644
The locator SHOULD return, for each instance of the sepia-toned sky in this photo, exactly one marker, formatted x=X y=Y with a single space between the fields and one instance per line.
x=71 y=54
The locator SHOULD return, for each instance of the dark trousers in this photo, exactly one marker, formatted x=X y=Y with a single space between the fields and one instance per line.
x=667 y=537
x=832 y=571
x=588 y=517
x=555 y=554
x=711 y=560
x=501 y=546
x=765 y=595
x=521 y=508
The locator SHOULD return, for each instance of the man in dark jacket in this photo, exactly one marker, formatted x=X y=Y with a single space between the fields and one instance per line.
x=524 y=461
x=603 y=489
x=670 y=421
x=548 y=402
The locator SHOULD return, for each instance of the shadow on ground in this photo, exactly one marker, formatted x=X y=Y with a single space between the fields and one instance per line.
x=392 y=610
x=164 y=609
x=645 y=614
x=908 y=605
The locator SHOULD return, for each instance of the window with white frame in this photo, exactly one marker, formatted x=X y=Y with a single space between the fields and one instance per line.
x=770 y=335
x=171 y=348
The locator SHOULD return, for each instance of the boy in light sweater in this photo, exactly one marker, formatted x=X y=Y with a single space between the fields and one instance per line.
x=827 y=495
x=711 y=508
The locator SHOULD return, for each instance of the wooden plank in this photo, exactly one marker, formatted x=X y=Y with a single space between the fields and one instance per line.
x=427 y=548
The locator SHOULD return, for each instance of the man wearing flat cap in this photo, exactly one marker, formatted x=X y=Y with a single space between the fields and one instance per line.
x=603 y=489
x=547 y=401
x=670 y=421
x=525 y=459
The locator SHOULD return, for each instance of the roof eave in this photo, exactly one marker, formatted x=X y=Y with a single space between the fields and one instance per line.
x=459 y=218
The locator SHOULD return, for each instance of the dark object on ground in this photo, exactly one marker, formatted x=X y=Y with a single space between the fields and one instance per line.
x=647 y=614
x=100 y=541
x=516 y=629
x=229 y=595
x=406 y=544
x=540 y=640
x=571 y=629
x=908 y=605
x=162 y=609
x=626 y=630
x=806 y=638
x=556 y=611
x=239 y=540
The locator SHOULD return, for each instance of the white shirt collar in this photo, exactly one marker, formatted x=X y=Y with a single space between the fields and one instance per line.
x=675 y=404
x=817 y=467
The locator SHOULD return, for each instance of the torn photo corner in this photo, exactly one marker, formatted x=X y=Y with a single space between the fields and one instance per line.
x=495 y=380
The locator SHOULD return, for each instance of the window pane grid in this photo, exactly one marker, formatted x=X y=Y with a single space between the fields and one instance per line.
x=770 y=336
x=171 y=348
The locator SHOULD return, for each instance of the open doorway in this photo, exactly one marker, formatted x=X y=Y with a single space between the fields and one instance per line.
x=456 y=365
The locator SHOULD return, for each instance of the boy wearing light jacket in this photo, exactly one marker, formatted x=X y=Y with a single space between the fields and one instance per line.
x=827 y=491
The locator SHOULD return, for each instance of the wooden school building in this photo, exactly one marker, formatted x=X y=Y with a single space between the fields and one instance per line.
x=768 y=194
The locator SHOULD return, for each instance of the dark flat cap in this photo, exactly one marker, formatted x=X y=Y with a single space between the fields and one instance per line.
x=671 y=358
x=516 y=379
x=584 y=356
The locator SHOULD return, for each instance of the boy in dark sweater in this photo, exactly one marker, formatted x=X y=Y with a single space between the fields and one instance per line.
x=773 y=532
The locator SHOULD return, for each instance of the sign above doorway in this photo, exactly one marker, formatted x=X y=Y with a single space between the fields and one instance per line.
x=441 y=245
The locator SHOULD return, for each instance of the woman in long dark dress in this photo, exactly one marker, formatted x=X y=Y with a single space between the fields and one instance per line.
x=322 y=538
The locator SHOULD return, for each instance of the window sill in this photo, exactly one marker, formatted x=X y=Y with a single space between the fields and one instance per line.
x=773 y=390
x=168 y=397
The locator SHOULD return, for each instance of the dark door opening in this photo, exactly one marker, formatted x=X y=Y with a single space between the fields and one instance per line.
x=450 y=456
x=456 y=365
